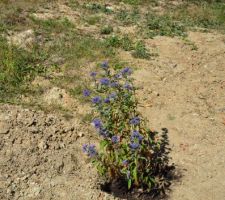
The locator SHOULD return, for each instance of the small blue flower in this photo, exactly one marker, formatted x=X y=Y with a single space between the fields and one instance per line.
x=126 y=71
x=114 y=84
x=135 y=121
x=115 y=139
x=89 y=150
x=85 y=148
x=105 y=81
x=136 y=136
x=113 y=95
x=125 y=162
x=134 y=145
x=97 y=123
x=127 y=86
x=92 y=151
x=118 y=76
x=86 y=93
x=93 y=74
x=105 y=65
x=97 y=100
x=107 y=100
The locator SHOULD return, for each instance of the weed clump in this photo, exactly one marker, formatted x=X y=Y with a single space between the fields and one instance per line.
x=163 y=25
x=106 y=30
x=140 y=51
x=17 y=67
x=128 y=151
x=119 y=42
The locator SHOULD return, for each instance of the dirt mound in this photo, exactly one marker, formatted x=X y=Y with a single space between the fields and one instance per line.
x=40 y=157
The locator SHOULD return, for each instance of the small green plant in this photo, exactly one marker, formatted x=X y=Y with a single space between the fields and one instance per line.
x=106 y=30
x=119 y=42
x=74 y=4
x=126 y=43
x=191 y=44
x=205 y=14
x=132 y=2
x=128 y=17
x=17 y=67
x=92 y=20
x=112 y=41
x=96 y=7
x=140 y=51
x=163 y=25
x=56 y=25
x=128 y=150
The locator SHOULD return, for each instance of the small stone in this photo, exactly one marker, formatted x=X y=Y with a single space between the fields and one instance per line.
x=4 y=128
x=59 y=165
x=36 y=190
x=34 y=130
x=42 y=145
x=80 y=134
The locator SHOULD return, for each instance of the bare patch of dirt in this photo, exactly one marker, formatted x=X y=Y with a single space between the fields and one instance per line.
x=183 y=90
x=24 y=39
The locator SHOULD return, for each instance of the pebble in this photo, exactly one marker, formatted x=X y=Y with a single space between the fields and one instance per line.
x=42 y=145
x=4 y=128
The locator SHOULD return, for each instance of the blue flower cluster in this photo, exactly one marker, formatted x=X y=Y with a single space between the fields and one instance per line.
x=134 y=145
x=135 y=139
x=105 y=81
x=107 y=100
x=96 y=100
x=89 y=150
x=128 y=86
x=97 y=123
x=135 y=121
x=126 y=71
x=114 y=84
x=115 y=139
x=93 y=74
x=86 y=93
x=105 y=65
x=136 y=136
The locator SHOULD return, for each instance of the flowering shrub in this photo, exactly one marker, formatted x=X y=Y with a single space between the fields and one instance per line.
x=128 y=150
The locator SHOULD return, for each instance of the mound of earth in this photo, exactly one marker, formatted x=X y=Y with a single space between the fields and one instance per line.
x=41 y=158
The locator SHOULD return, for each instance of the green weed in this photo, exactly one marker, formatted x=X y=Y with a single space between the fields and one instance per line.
x=106 y=29
x=115 y=41
x=163 y=25
x=140 y=51
x=128 y=17
x=17 y=67
x=92 y=20
x=132 y=2
x=53 y=25
x=201 y=14
x=96 y=7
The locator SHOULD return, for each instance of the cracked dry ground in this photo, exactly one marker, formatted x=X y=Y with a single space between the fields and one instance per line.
x=182 y=90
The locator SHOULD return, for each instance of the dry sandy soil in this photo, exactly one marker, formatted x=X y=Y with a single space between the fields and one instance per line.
x=182 y=90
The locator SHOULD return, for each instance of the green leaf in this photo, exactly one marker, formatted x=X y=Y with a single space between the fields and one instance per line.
x=129 y=183
x=103 y=144
x=134 y=172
